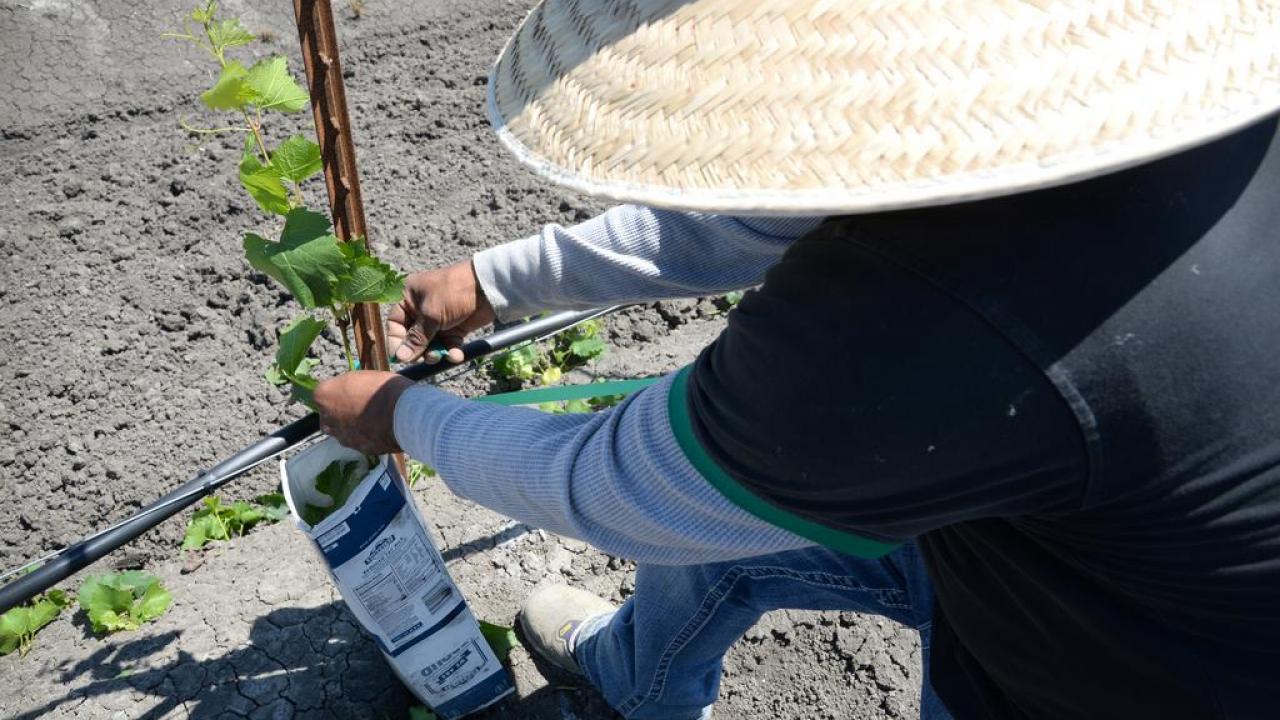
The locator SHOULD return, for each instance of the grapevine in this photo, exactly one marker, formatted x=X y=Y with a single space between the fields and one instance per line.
x=326 y=276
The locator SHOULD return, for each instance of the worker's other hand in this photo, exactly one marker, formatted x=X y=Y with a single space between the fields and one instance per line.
x=444 y=305
x=358 y=409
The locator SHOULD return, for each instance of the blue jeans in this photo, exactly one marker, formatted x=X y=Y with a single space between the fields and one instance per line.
x=660 y=654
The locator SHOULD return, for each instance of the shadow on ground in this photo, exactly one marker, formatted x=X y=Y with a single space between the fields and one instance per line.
x=299 y=662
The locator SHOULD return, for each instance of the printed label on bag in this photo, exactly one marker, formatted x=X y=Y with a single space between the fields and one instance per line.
x=394 y=581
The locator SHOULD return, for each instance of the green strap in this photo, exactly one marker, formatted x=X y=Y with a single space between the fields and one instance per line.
x=569 y=392
x=682 y=427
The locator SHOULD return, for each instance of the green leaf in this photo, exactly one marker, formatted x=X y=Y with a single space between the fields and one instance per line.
x=305 y=393
x=123 y=601
x=500 y=638
x=420 y=712
x=296 y=159
x=60 y=598
x=197 y=533
x=517 y=364
x=577 y=406
x=272 y=86
x=273 y=506
x=229 y=92
x=419 y=472
x=295 y=340
x=552 y=375
x=18 y=626
x=153 y=603
x=307 y=260
x=370 y=280
x=14 y=626
x=104 y=602
x=587 y=348
x=338 y=480
x=112 y=621
x=229 y=33
x=274 y=376
x=733 y=297
x=262 y=182
x=204 y=14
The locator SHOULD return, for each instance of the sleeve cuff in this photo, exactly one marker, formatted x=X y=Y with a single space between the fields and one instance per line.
x=509 y=275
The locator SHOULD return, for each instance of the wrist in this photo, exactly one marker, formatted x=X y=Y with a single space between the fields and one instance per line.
x=483 y=307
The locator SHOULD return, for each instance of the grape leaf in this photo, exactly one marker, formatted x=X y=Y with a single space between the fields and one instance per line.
x=517 y=364
x=19 y=625
x=419 y=472
x=229 y=92
x=307 y=260
x=216 y=521
x=500 y=638
x=274 y=376
x=262 y=182
x=370 y=280
x=587 y=348
x=123 y=601
x=228 y=33
x=200 y=530
x=104 y=602
x=296 y=159
x=338 y=480
x=155 y=600
x=272 y=86
x=577 y=406
x=273 y=506
x=295 y=340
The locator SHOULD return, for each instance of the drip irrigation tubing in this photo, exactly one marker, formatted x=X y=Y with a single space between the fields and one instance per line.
x=64 y=563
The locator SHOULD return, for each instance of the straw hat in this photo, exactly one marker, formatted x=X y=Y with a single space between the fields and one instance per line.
x=841 y=106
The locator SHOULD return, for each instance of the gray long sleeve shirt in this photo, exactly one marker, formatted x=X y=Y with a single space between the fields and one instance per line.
x=615 y=479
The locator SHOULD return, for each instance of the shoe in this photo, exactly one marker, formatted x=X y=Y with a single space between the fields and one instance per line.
x=551 y=617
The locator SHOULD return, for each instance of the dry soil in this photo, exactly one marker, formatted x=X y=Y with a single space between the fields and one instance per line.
x=133 y=339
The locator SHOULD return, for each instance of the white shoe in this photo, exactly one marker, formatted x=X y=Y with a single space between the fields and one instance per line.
x=551 y=617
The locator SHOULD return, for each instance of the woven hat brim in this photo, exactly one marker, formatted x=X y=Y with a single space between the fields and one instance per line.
x=1259 y=99
x=774 y=202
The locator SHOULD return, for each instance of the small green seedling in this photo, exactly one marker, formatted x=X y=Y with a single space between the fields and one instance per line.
x=18 y=626
x=501 y=639
x=327 y=276
x=419 y=472
x=215 y=521
x=571 y=349
x=123 y=601
x=338 y=480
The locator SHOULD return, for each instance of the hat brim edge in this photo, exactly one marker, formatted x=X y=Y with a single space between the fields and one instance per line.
x=953 y=189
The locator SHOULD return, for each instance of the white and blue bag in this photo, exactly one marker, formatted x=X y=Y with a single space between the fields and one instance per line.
x=394 y=581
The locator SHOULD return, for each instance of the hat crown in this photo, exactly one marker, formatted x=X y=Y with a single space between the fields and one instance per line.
x=829 y=106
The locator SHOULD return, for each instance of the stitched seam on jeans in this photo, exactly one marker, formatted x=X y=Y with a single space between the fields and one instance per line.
x=705 y=610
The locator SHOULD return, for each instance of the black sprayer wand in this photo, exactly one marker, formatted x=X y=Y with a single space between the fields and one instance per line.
x=59 y=566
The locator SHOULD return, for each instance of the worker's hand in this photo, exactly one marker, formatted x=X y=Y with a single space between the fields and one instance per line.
x=444 y=305
x=358 y=409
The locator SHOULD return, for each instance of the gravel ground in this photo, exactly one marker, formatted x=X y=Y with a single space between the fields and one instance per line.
x=133 y=337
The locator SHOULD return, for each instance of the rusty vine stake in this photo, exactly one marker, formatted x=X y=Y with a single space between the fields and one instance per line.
x=337 y=149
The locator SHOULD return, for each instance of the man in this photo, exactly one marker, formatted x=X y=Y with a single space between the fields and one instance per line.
x=1019 y=389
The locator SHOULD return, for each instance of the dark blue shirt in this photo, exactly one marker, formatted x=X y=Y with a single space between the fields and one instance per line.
x=1070 y=399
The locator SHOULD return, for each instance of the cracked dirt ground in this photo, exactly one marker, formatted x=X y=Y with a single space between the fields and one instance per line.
x=133 y=337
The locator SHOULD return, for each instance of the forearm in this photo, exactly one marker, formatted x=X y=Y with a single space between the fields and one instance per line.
x=615 y=479
x=632 y=254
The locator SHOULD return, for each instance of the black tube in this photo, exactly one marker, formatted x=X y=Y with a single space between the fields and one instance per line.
x=83 y=553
